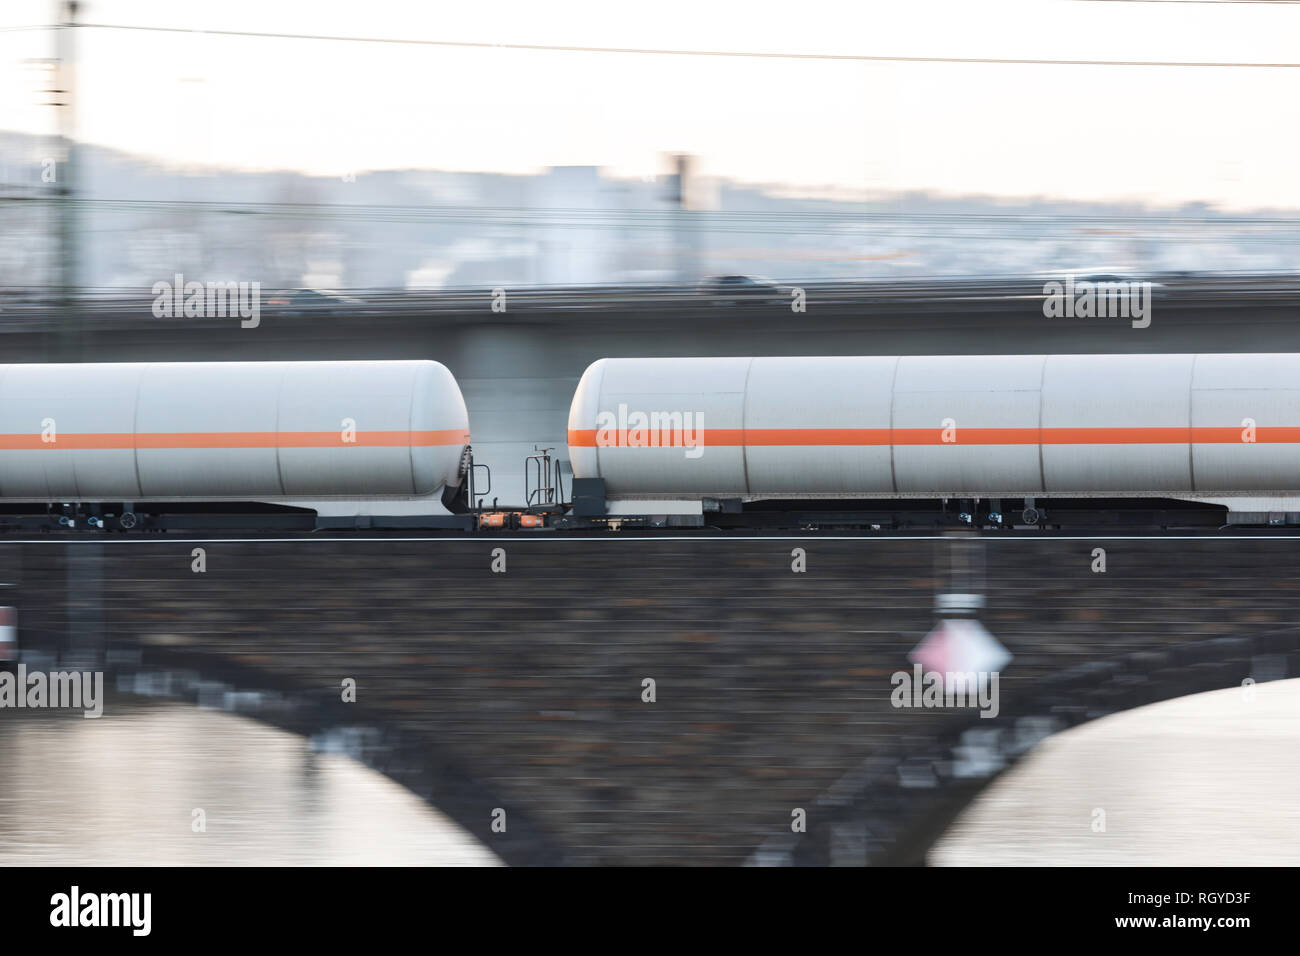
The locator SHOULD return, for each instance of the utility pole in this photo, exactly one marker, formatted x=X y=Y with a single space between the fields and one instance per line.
x=68 y=346
x=684 y=258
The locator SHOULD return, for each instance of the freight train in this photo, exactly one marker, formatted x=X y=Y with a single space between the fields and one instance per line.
x=878 y=442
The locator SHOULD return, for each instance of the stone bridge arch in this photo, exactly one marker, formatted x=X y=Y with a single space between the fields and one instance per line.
x=523 y=689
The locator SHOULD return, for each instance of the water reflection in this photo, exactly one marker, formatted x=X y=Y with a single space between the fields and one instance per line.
x=1206 y=780
x=122 y=790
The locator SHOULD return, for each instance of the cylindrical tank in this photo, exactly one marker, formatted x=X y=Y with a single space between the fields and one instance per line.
x=255 y=430
x=951 y=426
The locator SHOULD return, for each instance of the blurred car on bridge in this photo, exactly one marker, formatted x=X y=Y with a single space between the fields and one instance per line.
x=735 y=289
x=306 y=301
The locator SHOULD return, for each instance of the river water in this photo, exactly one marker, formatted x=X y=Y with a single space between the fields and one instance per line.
x=123 y=790
x=1210 y=779
x=1207 y=780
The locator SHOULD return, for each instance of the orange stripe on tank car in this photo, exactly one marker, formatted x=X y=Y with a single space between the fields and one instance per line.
x=237 y=440
x=756 y=437
x=810 y=436
x=1176 y=435
x=1231 y=435
x=1173 y=435
x=967 y=436
x=721 y=437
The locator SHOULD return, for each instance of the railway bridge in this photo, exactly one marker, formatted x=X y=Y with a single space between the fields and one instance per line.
x=688 y=698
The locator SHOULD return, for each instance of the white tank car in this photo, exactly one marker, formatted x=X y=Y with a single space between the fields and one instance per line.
x=1217 y=428
x=342 y=438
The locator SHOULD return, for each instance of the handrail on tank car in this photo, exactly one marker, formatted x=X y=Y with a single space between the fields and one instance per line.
x=476 y=503
x=539 y=465
x=549 y=488
x=559 y=481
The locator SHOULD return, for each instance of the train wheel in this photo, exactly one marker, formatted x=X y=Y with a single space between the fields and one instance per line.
x=126 y=520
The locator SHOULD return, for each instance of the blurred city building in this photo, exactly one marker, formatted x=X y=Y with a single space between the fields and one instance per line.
x=141 y=222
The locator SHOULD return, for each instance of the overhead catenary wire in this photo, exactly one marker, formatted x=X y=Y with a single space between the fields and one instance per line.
x=661 y=51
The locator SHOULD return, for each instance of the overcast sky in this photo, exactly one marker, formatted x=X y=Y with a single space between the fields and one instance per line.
x=1228 y=136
